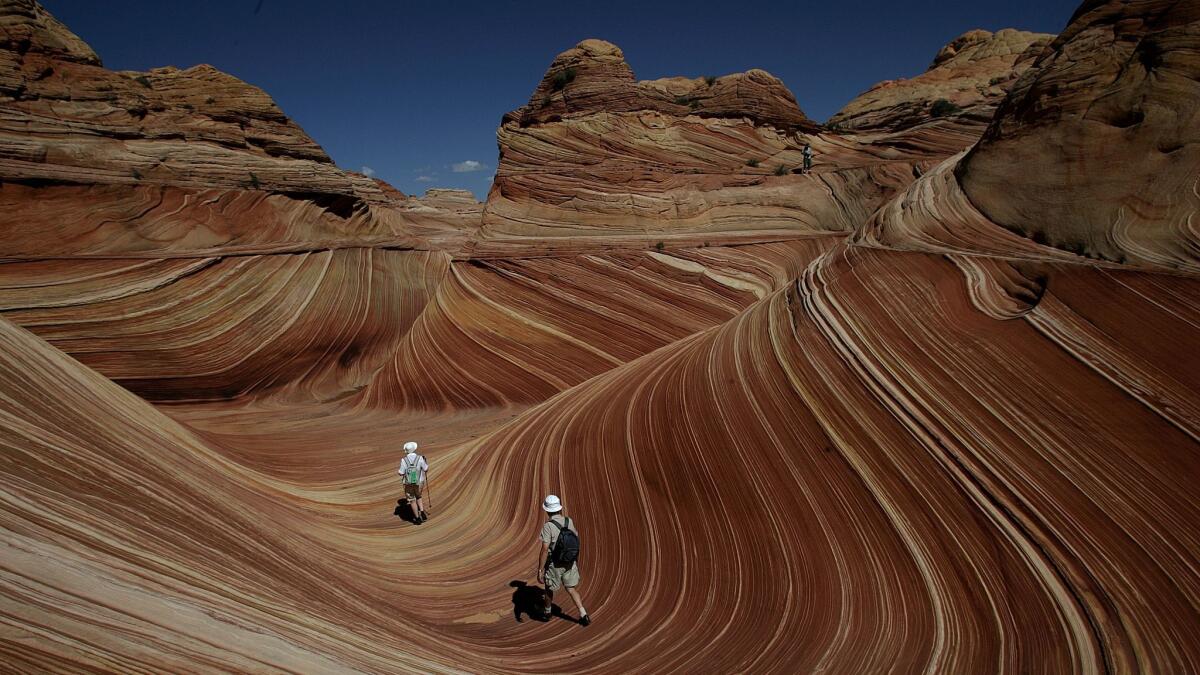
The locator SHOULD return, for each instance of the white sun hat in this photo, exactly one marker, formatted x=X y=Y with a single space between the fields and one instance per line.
x=410 y=447
x=552 y=504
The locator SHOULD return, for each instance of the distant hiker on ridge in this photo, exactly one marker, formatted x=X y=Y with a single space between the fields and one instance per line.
x=557 y=561
x=414 y=468
x=808 y=155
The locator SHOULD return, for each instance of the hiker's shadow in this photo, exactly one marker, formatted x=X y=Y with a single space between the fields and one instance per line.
x=528 y=600
x=403 y=511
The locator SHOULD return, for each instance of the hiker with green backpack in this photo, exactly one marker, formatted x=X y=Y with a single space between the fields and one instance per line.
x=558 y=562
x=414 y=468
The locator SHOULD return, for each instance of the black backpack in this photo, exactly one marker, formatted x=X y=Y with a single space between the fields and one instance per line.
x=566 y=547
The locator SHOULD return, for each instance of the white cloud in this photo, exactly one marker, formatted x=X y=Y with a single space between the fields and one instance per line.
x=467 y=166
x=368 y=171
x=424 y=179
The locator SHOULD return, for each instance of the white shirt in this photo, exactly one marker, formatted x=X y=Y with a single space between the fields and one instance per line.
x=412 y=459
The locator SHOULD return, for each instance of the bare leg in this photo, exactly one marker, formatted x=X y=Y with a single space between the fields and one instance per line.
x=421 y=504
x=413 y=504
x=578 y=602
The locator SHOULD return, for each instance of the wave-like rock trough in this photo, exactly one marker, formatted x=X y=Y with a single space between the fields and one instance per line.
x=880 y=417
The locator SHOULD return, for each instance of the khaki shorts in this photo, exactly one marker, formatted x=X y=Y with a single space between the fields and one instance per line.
x=412 y=490
x=557 y=577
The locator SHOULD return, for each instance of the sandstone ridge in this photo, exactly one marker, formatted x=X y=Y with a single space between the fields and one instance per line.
x=1093 y=154
x=594 y=77
x=190 y=161
x=598 y=160
x=971 y=74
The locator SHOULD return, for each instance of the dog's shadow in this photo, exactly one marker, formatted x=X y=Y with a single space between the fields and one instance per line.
x=403 y=511
x=528 y=600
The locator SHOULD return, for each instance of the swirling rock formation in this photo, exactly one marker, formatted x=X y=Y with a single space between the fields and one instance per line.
x=548 y=324
x=1093 y=153
x=189 y=161
x=924 y=487
x=217 y=328
x=946 y=108
x=25 y=26
x=597 y=160
x=1097 y=149
x=593 y=77
x=972 y=73
x=859 y=420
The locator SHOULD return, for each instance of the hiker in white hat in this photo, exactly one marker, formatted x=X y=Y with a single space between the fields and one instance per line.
x=414 y=468
x=558 y=561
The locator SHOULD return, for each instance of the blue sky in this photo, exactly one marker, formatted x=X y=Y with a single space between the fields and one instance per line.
x=415 y=90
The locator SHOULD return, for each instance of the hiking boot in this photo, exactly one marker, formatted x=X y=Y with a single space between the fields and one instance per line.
x=424 y=516
x=418 y=521
x=585 y=620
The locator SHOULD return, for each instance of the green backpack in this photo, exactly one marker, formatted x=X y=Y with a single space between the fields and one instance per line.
x=412 y=475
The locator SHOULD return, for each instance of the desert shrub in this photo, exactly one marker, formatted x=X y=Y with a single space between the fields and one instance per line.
x=781 y=170
x=1076 y=247
x=562 y=78
x=210 y=100
x=136 y=174
x=142 y=80
x=943 y=108
x=545 y=101
x=660 y=246
x=752 y=162
x=996 y=80
x=683 y=100
x=710 y=80
x=254 y=181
